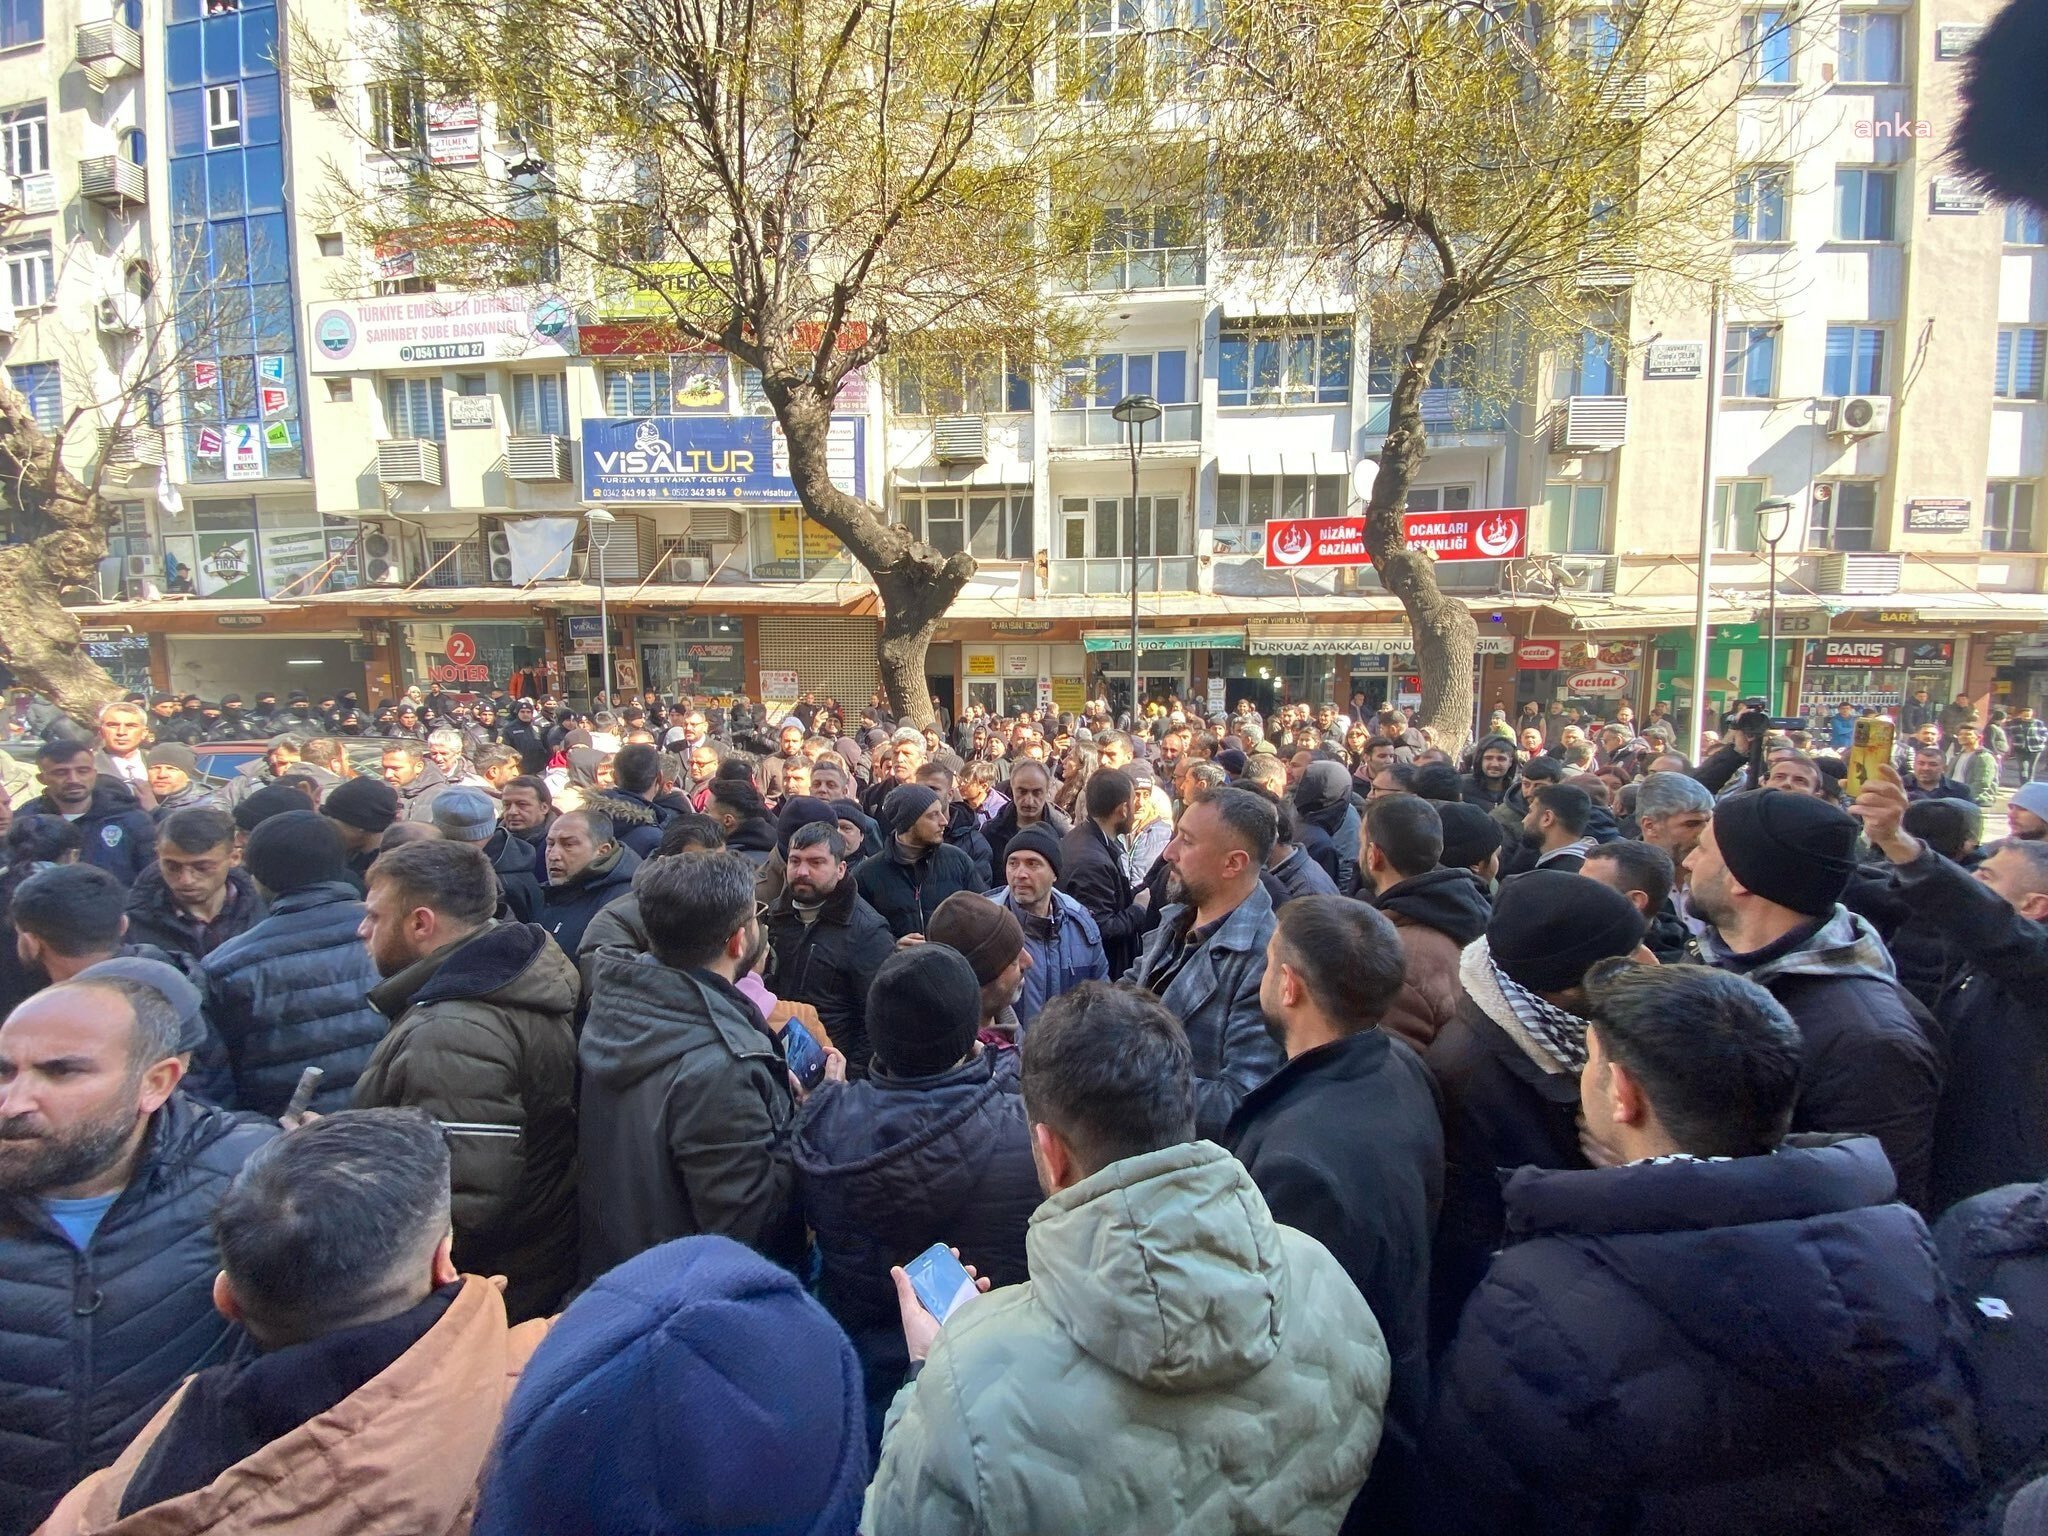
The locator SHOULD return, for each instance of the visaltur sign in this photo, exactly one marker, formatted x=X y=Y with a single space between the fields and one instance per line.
x=707 y=458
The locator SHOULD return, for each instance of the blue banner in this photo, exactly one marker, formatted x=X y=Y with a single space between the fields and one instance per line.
x=707 y=458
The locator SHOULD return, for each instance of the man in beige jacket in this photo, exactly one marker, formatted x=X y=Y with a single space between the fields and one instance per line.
x=380 y=1374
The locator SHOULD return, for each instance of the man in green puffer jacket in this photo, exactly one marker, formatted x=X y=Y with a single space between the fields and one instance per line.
x=1177 y=1362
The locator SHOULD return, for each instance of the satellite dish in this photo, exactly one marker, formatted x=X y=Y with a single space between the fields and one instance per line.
x=1364 y=474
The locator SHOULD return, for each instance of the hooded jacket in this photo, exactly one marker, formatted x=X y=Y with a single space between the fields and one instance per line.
x=891 y=1165
x=1488 y=793
x=963 y=831
x=1435 y=914
x=416 y=800
x=1868 y=1065
x=1176 y=1362
x=293 y=992
x=567 y=909
x=1215 y=995
x=1065 y=947
x=403 y=1452
x=1324 y=799
x=637 y=820
x=482 y=1039
x=1686 y=1348
x=154 y=917
x=120 y=837
x=830 y=962
x=685 y=1117
x=517 y=865
x=78 y=1380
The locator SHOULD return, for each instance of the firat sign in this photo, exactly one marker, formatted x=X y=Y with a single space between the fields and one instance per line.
x=1495 y=533
x=1596 y=683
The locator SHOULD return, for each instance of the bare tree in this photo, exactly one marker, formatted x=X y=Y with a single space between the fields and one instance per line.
x=809 y=188
x=1500 y=178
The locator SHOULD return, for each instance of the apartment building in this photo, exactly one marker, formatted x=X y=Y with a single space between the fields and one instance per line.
x=354 y=479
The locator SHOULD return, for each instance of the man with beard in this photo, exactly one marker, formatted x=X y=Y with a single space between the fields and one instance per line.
x=1435 y=912
x=827 y=942
x=916 y=868
x=119 y=836
x=1553 y=831
x=2026 y=814
x=108 y=1176
x=1029 y=805
x=1063 y=941
x=1207 y=957
x=1092 y=867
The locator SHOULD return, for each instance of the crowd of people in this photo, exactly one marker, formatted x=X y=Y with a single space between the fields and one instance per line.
x=552 y=1128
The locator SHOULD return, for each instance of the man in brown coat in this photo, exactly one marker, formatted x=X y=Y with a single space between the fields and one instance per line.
x=1436 y=912
x=380 y=1372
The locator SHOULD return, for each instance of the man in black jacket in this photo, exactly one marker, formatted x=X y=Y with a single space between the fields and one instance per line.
x=195 y=898
x=636 y=778
x=1725 y=1328
x=588 y=867
x=108 y=1176
x=826 y=942
x=915 y=869
x=1768 y=877
x=1346 y=1142
x=120 y=837
x=1030 y=791
x=465 y=815
x=963 y=828
x=407 y=769
x=1992 y=1126
x=1092 y=867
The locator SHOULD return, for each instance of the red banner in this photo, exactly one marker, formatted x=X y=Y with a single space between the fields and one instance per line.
x=1493 y=533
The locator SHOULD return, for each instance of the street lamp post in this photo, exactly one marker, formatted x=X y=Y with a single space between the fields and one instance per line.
x=600 y=523
x=1773 y=522
x=1134 y=411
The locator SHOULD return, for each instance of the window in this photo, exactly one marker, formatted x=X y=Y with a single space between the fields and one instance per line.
x=223 y=116
x=415 y=406
x=1114 y=45
x=1749 y=363
x=540 y=404
x=1760 y=203
x=1591 y=368
x=2022 y=224
x=1252 y=224
x=639 y=389
x=2009 y=516
x=32 y=274
x=1867 y=47
x=996 y=527
x=472 y=384
x=2020 y=352
x=1578 y=519
x=1595 y=38
x=1101 y=527
x=1440 y=498
x=397 y=117
x=1864 y=203
x=21 y=23
x=1735 y=521
x=1161 y=249
x=958 y=385
x=1101 y=381
x=1854 y=363
x=40 y=384
x=1297 y=366
x=1844 y=515
x=1244 y=503
x=1767 y=39
x=25 y=139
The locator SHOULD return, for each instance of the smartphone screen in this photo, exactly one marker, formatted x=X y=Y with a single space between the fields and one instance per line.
x=940 y=1280
x=805 y=1056
x=1870 y=747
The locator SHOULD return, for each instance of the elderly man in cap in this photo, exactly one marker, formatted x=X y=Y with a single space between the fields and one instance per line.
x=465 y=815
x=173 y=779
x=1060 y=938
x=1767 y=878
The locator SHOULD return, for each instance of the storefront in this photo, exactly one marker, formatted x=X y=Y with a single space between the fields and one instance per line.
x=1591 y=673
x=704 y=655
x=1163 y=658
x=467 y=656
x=1333 y=664
x=270 y=660
x=1738 y=664
x=1015 y=679
x=122 y=654
x=1874 y=672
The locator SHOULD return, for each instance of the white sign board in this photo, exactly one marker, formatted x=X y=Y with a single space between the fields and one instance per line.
x=428 y=330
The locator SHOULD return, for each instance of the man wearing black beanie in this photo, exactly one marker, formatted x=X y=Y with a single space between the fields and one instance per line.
x=293 y=991
x=916 y=868
x=1767 y=878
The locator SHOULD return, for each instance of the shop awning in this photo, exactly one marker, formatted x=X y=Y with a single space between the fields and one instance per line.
x=1342 y=641
x=1165 y=640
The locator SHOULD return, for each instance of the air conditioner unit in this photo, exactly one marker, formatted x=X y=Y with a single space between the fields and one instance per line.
x=119 y=314
x=1610 y=264
x=685 y=569
x=127 y=446
x=537 y=458
x=409 y=461
x=717 y=525
x=1870 y=574
x=1591 y=424
x=380 y=558
x=6 y=317
x=1860 y=416
x=960 y=440
x=497 y=558
x=141 y=578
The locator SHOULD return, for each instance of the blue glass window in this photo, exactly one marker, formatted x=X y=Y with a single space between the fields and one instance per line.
x=188 y=122
x=230 y=252
x=1172 y=388
x=1259 y=366
x=273 y=317
x=269 y=254
x=224 y=182
x=21 y=23
x=184 y=10
x=181 y=55
x=223 y=48
x=1853 y=363
x=259 y=43
x=261 y=120
x=266 y=179
x=41 y=385
x=188 y=190
x=232 y=322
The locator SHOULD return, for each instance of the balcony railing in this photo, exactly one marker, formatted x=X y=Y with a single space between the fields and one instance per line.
x=1443 y=410
x=112 y=179
x=1179 y=266
x=1101 y=578
x=1097 y=428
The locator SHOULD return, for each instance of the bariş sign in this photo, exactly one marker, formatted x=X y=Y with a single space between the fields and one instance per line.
x=1854 y=653
x=1494 y=533
x=708 y=458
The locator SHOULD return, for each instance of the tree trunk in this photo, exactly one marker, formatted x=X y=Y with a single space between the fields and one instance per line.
x=1445 y=633
x=917 y=584
x=64 y=526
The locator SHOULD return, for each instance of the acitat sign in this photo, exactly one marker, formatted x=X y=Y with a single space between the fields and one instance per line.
x=1598 y=683
x=1537 y=655
x=1496 y=533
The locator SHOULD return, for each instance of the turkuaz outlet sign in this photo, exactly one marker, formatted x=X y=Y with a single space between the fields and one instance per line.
x=1494 y=533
